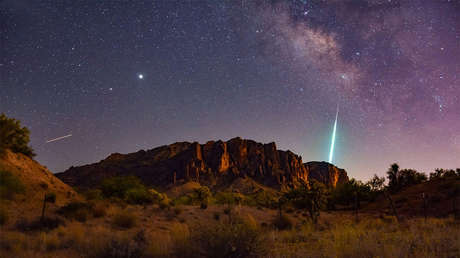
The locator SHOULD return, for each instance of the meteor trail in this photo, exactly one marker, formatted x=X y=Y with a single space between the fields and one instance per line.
x=331 y=152
x=59 y=138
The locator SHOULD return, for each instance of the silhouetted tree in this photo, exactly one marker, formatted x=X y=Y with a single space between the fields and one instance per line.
x=311 y=197
x=376 y=183
x=392 y=174
x=408 y=177
x=14 y=137
x=444 y=173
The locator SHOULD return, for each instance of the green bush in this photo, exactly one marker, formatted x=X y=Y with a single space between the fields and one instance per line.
x=138 y=196
x=124 y=219
x=129 y=189
x=14 y=137
x=10 y=185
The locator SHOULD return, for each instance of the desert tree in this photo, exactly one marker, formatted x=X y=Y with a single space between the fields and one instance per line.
x=376 y=183
x=393 y=174
x=203 y=194
x=311 y=196
x=14 y=137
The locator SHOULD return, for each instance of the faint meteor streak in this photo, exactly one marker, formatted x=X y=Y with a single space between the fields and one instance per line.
x=59 y=138
x=331 y=152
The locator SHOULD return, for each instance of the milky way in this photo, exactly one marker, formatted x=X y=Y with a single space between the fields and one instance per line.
x=124 y=76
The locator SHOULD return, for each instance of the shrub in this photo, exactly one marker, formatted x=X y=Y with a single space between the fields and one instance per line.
x=14 y=137
x=243 y=238
x=10 y=185
x=99 y=211
x=216 y=216
x=138 y=196
x=3 y=216
x=282 y=222
x=203 y=205
x=178 y=210
x=40 y=224
x=124 y=219
x=164 y=204
x=76 y=210
x=93 y=194
x=81 y=215
x=228 y=210
x=123 y=247
x=119 y=186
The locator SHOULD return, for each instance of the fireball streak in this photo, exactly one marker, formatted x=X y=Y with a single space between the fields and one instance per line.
x=59 y=138
x=333 y=136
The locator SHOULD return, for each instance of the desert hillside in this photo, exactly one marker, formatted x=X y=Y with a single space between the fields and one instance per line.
x=37 y=181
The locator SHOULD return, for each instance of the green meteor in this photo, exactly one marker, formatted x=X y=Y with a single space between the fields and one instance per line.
x=331 y=152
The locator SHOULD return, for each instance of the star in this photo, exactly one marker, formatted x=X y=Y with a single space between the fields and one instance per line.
x=140 y=76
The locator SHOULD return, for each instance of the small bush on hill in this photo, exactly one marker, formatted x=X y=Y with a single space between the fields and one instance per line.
x=93 y=194
x=283 y=222
x=14 y=137
x=229 y=198
x=10 y=185
x=124 y=219
x=99 y=210
x=76 y=210
x=3 y=216
x=39 y=224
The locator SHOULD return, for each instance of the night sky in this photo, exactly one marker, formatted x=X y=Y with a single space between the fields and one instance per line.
x=121 y=76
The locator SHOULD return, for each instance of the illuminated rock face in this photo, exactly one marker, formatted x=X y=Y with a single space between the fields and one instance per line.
x=213 y=163
x=326 y=173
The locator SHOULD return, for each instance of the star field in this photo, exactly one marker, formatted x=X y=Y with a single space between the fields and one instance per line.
x=127 y=75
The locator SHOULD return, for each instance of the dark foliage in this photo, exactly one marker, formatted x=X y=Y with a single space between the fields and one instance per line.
x=399 y=179
x=283 y=222
x=128 y=188
x=10 y=185
x=76 y=210
x=311 y=197
x=39 y=224
x=14 y=137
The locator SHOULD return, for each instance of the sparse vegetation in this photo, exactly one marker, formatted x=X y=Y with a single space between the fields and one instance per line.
x=10 y=185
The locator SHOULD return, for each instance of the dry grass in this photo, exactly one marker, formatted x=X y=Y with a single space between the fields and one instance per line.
x=372 y=237
x=336 y=235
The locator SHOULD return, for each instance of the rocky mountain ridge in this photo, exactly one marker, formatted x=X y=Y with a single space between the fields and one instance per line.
x=215 y=163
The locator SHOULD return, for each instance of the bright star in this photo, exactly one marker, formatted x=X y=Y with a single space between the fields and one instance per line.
x=140 y=76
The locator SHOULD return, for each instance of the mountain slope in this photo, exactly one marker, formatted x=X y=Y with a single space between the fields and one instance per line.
x=215 y=163
x=37 y=181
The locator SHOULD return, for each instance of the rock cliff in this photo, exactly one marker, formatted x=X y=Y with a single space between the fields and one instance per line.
x=215 y=163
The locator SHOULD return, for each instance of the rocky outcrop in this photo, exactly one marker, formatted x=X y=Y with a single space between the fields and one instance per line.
x=326 y=173
x=215 y=163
